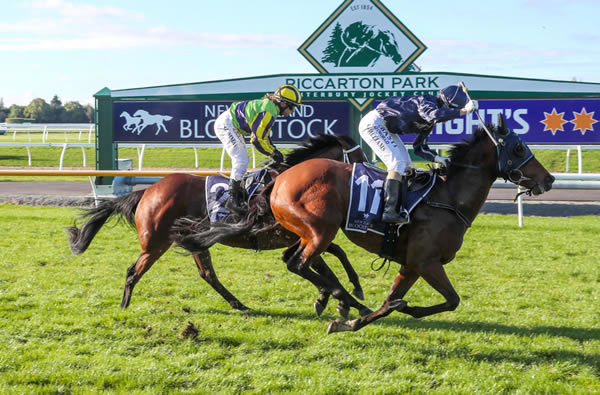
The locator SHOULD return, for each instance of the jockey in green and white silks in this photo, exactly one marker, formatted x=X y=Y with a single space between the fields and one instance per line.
x=254 y=118
x=381 y=129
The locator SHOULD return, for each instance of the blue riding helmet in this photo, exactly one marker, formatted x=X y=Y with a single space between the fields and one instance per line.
x=453 y=96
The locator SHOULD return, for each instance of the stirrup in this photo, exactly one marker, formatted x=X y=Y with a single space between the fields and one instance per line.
x=395 y=217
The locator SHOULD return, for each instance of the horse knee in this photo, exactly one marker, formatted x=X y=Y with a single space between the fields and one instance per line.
x=294 y=266
x=453 y=302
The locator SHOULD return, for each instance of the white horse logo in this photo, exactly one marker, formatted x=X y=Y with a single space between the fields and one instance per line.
x=142 y=118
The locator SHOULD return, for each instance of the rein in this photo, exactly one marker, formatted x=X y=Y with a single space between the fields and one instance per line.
x=452 y=208
x=348 y=151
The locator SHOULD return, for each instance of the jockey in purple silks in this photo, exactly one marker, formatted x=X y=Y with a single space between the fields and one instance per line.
x=254 y=118
x=381 y=129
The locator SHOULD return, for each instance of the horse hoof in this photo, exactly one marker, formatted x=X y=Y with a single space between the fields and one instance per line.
x=364 y=312
x=398 y=304
x=338 y=326
x=358 y=293
x=343 y=310
x=319 y=308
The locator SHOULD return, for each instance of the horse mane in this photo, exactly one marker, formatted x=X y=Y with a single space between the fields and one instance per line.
x=315 y=144
x=459 y=151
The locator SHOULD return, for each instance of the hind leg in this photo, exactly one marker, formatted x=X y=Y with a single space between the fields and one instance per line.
x=352 y=276
x=136 y=271
x=300 y=262
x=321 y=303
x=205 y=268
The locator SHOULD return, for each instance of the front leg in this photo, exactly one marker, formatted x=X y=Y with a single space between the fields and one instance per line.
x=436 y=276
x=402 y=283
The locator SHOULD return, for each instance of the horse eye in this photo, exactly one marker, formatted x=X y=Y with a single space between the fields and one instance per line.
x=519 y=151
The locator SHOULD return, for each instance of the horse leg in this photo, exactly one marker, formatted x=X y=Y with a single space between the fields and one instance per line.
x=404 y=280
x=435 y=275
x=321 y=267
x=300 y=263
x=352 y=276
x=136 y=271
x=320 y=303
x=205 y=268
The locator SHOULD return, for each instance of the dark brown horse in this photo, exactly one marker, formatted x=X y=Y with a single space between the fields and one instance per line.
x=152 y=212
x=311 y=200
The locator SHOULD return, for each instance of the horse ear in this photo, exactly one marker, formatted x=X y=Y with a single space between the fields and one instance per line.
x=502 y=128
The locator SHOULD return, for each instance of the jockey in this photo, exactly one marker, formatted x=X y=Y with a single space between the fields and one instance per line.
x=254 y=118
x=381 y=127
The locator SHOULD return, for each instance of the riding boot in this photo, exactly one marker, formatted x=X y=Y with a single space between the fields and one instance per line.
x=236 y=196
x=394 y=195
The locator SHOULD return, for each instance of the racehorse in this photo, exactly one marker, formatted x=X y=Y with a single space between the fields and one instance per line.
x=311 y=200
x=152 y=212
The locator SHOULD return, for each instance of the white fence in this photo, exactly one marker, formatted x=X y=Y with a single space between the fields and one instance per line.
x=46 y=129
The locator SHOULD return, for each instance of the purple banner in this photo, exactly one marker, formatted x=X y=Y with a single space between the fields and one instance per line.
x=192 y=121
x=557 y=121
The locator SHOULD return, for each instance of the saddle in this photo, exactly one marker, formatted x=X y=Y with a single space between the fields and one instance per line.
x=366 y=202
x=217 y=192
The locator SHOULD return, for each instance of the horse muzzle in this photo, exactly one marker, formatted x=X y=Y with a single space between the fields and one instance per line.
x=545 y=186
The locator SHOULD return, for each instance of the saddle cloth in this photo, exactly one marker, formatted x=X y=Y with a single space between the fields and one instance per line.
x=366 y=197
x=217 y=193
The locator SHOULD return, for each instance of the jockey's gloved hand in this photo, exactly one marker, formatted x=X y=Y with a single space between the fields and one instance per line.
x=442 y=160
x=277 y=156
x=470 y=106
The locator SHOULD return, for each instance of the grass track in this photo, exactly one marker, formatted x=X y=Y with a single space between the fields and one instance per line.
x=528 y=320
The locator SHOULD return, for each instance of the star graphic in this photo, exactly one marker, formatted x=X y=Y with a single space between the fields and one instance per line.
x=554 y=121
x=583 y=121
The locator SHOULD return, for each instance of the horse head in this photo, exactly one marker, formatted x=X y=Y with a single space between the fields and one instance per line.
x=500 y=152
x=124 y=114
x=357 y=34
x=516 y=162
x=140 y=113
x=388 y=45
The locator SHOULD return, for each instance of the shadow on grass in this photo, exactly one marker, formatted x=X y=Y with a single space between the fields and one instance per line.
x=13 y=157
x=578 y=334
x=258 y=312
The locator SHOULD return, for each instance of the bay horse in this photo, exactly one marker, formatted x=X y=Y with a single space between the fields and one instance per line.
x=311 y=200
x=152 y=212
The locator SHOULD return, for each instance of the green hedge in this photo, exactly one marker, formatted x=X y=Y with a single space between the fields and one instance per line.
x=19 y=120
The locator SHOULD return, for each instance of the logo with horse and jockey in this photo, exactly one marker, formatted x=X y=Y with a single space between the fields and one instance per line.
x=360 y=45
x=362 y=36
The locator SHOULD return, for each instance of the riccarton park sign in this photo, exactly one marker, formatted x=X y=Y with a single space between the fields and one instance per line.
x=363 y=54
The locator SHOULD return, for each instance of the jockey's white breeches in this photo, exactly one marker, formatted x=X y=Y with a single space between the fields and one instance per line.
x=387 y=146
x=234 y=145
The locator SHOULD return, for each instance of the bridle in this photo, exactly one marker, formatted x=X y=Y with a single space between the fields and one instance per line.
x=349 y=151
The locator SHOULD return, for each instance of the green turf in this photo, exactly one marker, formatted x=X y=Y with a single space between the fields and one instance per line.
x=528 y=321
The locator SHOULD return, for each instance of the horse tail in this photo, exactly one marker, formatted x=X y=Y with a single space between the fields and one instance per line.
x=125 y=206
x=197 y=235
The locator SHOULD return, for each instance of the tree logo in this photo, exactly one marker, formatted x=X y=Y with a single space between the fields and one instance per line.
x=362 y=36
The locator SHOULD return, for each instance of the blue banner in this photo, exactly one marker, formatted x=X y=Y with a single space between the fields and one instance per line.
x=192 y=121
x=557 y=121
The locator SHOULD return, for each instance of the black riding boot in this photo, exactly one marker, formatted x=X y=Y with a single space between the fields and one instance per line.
x=393 y=210
x=236 y=196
